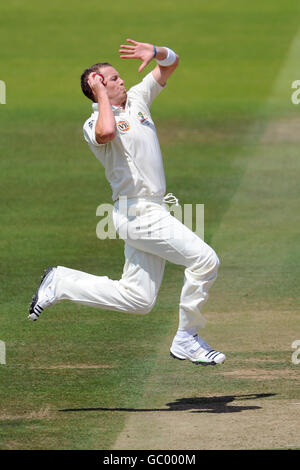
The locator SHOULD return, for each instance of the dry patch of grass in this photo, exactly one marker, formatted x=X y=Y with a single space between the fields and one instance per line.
x=263 y=374
x=43 y=413
x=261 y=330
x=253 y=424
x=282 y=130
x=74 y=366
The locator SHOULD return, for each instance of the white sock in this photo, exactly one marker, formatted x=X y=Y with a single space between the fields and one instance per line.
x=186 y=333
x=50 y=289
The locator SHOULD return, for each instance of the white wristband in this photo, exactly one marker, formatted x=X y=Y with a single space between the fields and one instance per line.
x=169 y=60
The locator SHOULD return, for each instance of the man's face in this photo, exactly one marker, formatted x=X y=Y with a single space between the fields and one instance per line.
x=116 y=91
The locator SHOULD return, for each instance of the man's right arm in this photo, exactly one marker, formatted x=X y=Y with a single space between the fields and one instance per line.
x=105 y=129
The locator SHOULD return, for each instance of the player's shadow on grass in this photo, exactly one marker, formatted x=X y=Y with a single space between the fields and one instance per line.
x=195 y=405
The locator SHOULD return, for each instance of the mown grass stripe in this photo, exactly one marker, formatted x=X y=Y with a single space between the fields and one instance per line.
x=246 y=238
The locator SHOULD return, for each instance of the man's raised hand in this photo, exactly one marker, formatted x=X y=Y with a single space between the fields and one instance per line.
x=97 y=83
x=138 y=50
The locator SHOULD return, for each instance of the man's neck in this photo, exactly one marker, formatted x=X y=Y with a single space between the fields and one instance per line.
x=119 y=105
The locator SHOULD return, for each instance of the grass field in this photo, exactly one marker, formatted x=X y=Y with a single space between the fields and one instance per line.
x=90 y=379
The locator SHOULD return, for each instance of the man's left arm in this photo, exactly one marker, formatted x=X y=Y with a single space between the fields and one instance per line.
x=167 y=59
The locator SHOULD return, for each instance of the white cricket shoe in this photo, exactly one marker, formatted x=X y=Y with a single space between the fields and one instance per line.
x=196 y=350
x=44 y=296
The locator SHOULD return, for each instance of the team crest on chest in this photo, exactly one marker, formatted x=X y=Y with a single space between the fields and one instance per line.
x=123 y=126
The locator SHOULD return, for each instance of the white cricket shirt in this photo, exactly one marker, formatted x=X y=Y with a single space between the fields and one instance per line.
x=132 y=160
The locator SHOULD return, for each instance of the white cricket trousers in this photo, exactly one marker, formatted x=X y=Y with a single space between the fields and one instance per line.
x=152 y=236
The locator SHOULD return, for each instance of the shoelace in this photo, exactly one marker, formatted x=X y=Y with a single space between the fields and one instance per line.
x=171 y=199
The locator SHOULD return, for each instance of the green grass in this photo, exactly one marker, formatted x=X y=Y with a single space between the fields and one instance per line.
x=210 y=119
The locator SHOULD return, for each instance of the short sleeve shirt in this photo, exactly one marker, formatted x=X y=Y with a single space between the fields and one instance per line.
x=132 y=160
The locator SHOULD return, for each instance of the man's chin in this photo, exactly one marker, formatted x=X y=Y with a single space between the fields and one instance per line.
x=124 y=98
x=121 y=101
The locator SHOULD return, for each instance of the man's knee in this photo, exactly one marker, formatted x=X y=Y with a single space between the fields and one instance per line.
x=147 y=305
x=208 y=263
x=143 y=305
x=214 y=259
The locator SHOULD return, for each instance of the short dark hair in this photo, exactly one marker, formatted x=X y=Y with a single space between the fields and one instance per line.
x=87 y=91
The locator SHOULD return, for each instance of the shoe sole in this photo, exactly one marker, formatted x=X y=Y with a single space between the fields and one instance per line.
x=197 y=363
x=36 y=296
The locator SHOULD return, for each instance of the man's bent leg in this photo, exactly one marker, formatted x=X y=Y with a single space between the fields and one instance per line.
x=198 y=278
x=135 y=292
x=163 y=235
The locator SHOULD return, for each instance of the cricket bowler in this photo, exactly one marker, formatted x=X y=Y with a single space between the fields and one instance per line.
x=121 y=134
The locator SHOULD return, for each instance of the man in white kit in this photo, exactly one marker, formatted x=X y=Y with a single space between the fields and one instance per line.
x=122 y=135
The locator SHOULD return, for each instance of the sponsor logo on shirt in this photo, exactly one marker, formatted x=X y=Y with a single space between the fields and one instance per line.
x=143 y=118
x=123 y=126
